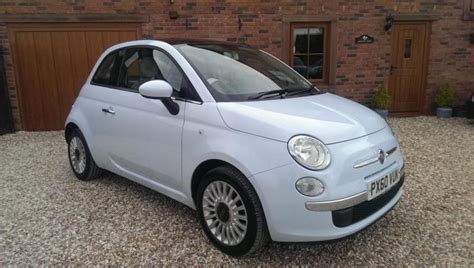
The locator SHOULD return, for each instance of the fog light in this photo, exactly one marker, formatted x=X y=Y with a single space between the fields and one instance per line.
x=309 y=186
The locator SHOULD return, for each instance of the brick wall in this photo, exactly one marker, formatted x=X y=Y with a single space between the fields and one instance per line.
x=359 y=68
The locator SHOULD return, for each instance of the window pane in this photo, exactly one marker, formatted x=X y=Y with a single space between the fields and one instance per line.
x=130 y=69
x=407 y=53
x=300 y=36
x=169 y=71
x=315 y=68
x=235 y=73
x=309 y=51
x=108 y=71
x=316 y=40
x=139 y=66
x=300 y=63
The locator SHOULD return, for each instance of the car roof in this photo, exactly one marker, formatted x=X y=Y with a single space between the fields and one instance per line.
x=179 y=41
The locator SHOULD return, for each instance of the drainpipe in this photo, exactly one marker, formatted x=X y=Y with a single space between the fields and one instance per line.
x=6 y=120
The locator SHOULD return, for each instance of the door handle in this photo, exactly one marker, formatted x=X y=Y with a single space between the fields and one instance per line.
x=109 y=110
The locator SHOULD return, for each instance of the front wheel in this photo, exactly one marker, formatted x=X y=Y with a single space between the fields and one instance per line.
x=80 y=157
x=230 y=212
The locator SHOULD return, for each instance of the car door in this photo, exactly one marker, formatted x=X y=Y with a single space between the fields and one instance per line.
x=144 y=141
x=95 y=103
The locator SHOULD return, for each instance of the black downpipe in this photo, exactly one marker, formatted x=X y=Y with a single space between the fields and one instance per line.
x=6 y=120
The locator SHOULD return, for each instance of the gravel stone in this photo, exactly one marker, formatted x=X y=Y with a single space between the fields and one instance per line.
x=48 y=217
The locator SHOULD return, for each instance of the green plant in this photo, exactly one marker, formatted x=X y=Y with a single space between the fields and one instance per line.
x=444 y=95
x=381 y=99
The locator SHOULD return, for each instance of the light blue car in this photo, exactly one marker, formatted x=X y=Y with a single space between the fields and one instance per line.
x=239 y=136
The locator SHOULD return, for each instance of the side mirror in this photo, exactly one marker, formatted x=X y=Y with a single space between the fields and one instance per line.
x=162 y=90
x=156 y=89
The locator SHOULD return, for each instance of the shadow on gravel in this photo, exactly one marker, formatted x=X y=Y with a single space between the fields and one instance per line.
x=341 y=247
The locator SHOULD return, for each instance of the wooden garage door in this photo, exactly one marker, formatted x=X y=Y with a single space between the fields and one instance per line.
x=52 y=62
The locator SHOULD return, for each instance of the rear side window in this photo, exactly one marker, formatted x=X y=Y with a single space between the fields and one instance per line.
x=108 y=72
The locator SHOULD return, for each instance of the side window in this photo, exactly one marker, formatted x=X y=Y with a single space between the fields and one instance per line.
x=108 y=71
x=130 y=71
x=170 y=72
x=141 y=65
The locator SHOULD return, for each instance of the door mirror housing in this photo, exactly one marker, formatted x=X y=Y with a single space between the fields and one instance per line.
x=161 y=90
x=156 y=89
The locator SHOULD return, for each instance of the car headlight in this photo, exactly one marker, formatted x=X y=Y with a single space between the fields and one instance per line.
x=309 y=152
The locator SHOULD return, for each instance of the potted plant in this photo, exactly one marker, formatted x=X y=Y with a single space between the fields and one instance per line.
x=381 y=101
x=444 y=99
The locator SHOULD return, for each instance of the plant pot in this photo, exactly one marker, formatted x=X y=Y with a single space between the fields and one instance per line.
x=382 y=112
x=444 y=112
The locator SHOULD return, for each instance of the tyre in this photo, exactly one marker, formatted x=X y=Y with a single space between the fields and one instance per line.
x=80 y=157
x=230 y=212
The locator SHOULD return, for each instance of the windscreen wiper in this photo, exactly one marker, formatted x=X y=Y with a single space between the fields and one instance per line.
x=281 y=92
x=311 y=89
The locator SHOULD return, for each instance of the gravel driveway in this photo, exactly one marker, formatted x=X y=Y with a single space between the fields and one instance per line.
x=49 y=217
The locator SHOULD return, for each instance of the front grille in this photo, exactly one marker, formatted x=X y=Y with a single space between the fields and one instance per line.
x=347 y=216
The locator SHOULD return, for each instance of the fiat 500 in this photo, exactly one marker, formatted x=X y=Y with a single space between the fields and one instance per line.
x=239 y=136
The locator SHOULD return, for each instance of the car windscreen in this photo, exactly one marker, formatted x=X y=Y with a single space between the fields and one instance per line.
x=238 y=73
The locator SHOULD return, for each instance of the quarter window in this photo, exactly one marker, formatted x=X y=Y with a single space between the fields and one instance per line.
x=169 y=71
x=108 y=71
x=309 y=50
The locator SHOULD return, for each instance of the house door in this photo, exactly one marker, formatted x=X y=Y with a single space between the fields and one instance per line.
x=52 y=62
x=408 y=67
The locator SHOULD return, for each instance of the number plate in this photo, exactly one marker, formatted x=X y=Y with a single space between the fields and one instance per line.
x=383 y=184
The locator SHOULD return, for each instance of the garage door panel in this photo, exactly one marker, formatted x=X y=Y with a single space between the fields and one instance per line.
x=79 y=59
x=47 y=77
x=110 y=38
x=127 y=36
x=52 y=62
x=94 y=46
x=28 y=80
x=62 y=62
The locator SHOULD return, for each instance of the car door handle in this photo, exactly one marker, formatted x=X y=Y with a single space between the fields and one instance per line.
x=109 y=110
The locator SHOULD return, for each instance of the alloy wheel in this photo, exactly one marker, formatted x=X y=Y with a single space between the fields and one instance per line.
x=224 y=213
x=77 y=153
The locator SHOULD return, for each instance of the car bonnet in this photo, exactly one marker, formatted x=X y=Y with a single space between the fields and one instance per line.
x=328 y=117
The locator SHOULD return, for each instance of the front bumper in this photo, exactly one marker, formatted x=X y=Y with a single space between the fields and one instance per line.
x=350 y=215
x=347 y=202
x=339 y=210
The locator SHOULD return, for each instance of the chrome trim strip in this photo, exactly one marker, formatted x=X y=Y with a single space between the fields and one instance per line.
x=186 y=100
x=381 y=170
x=366 y=162
x=337 y=204
x=375 y=159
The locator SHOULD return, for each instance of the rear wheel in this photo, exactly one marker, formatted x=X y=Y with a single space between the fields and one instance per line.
x=80 y=157
x=230 y=212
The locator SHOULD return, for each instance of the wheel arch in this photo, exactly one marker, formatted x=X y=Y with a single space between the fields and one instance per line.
x=208 y=165
x=76 y=120
x=68 y=129
x=202 y=169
